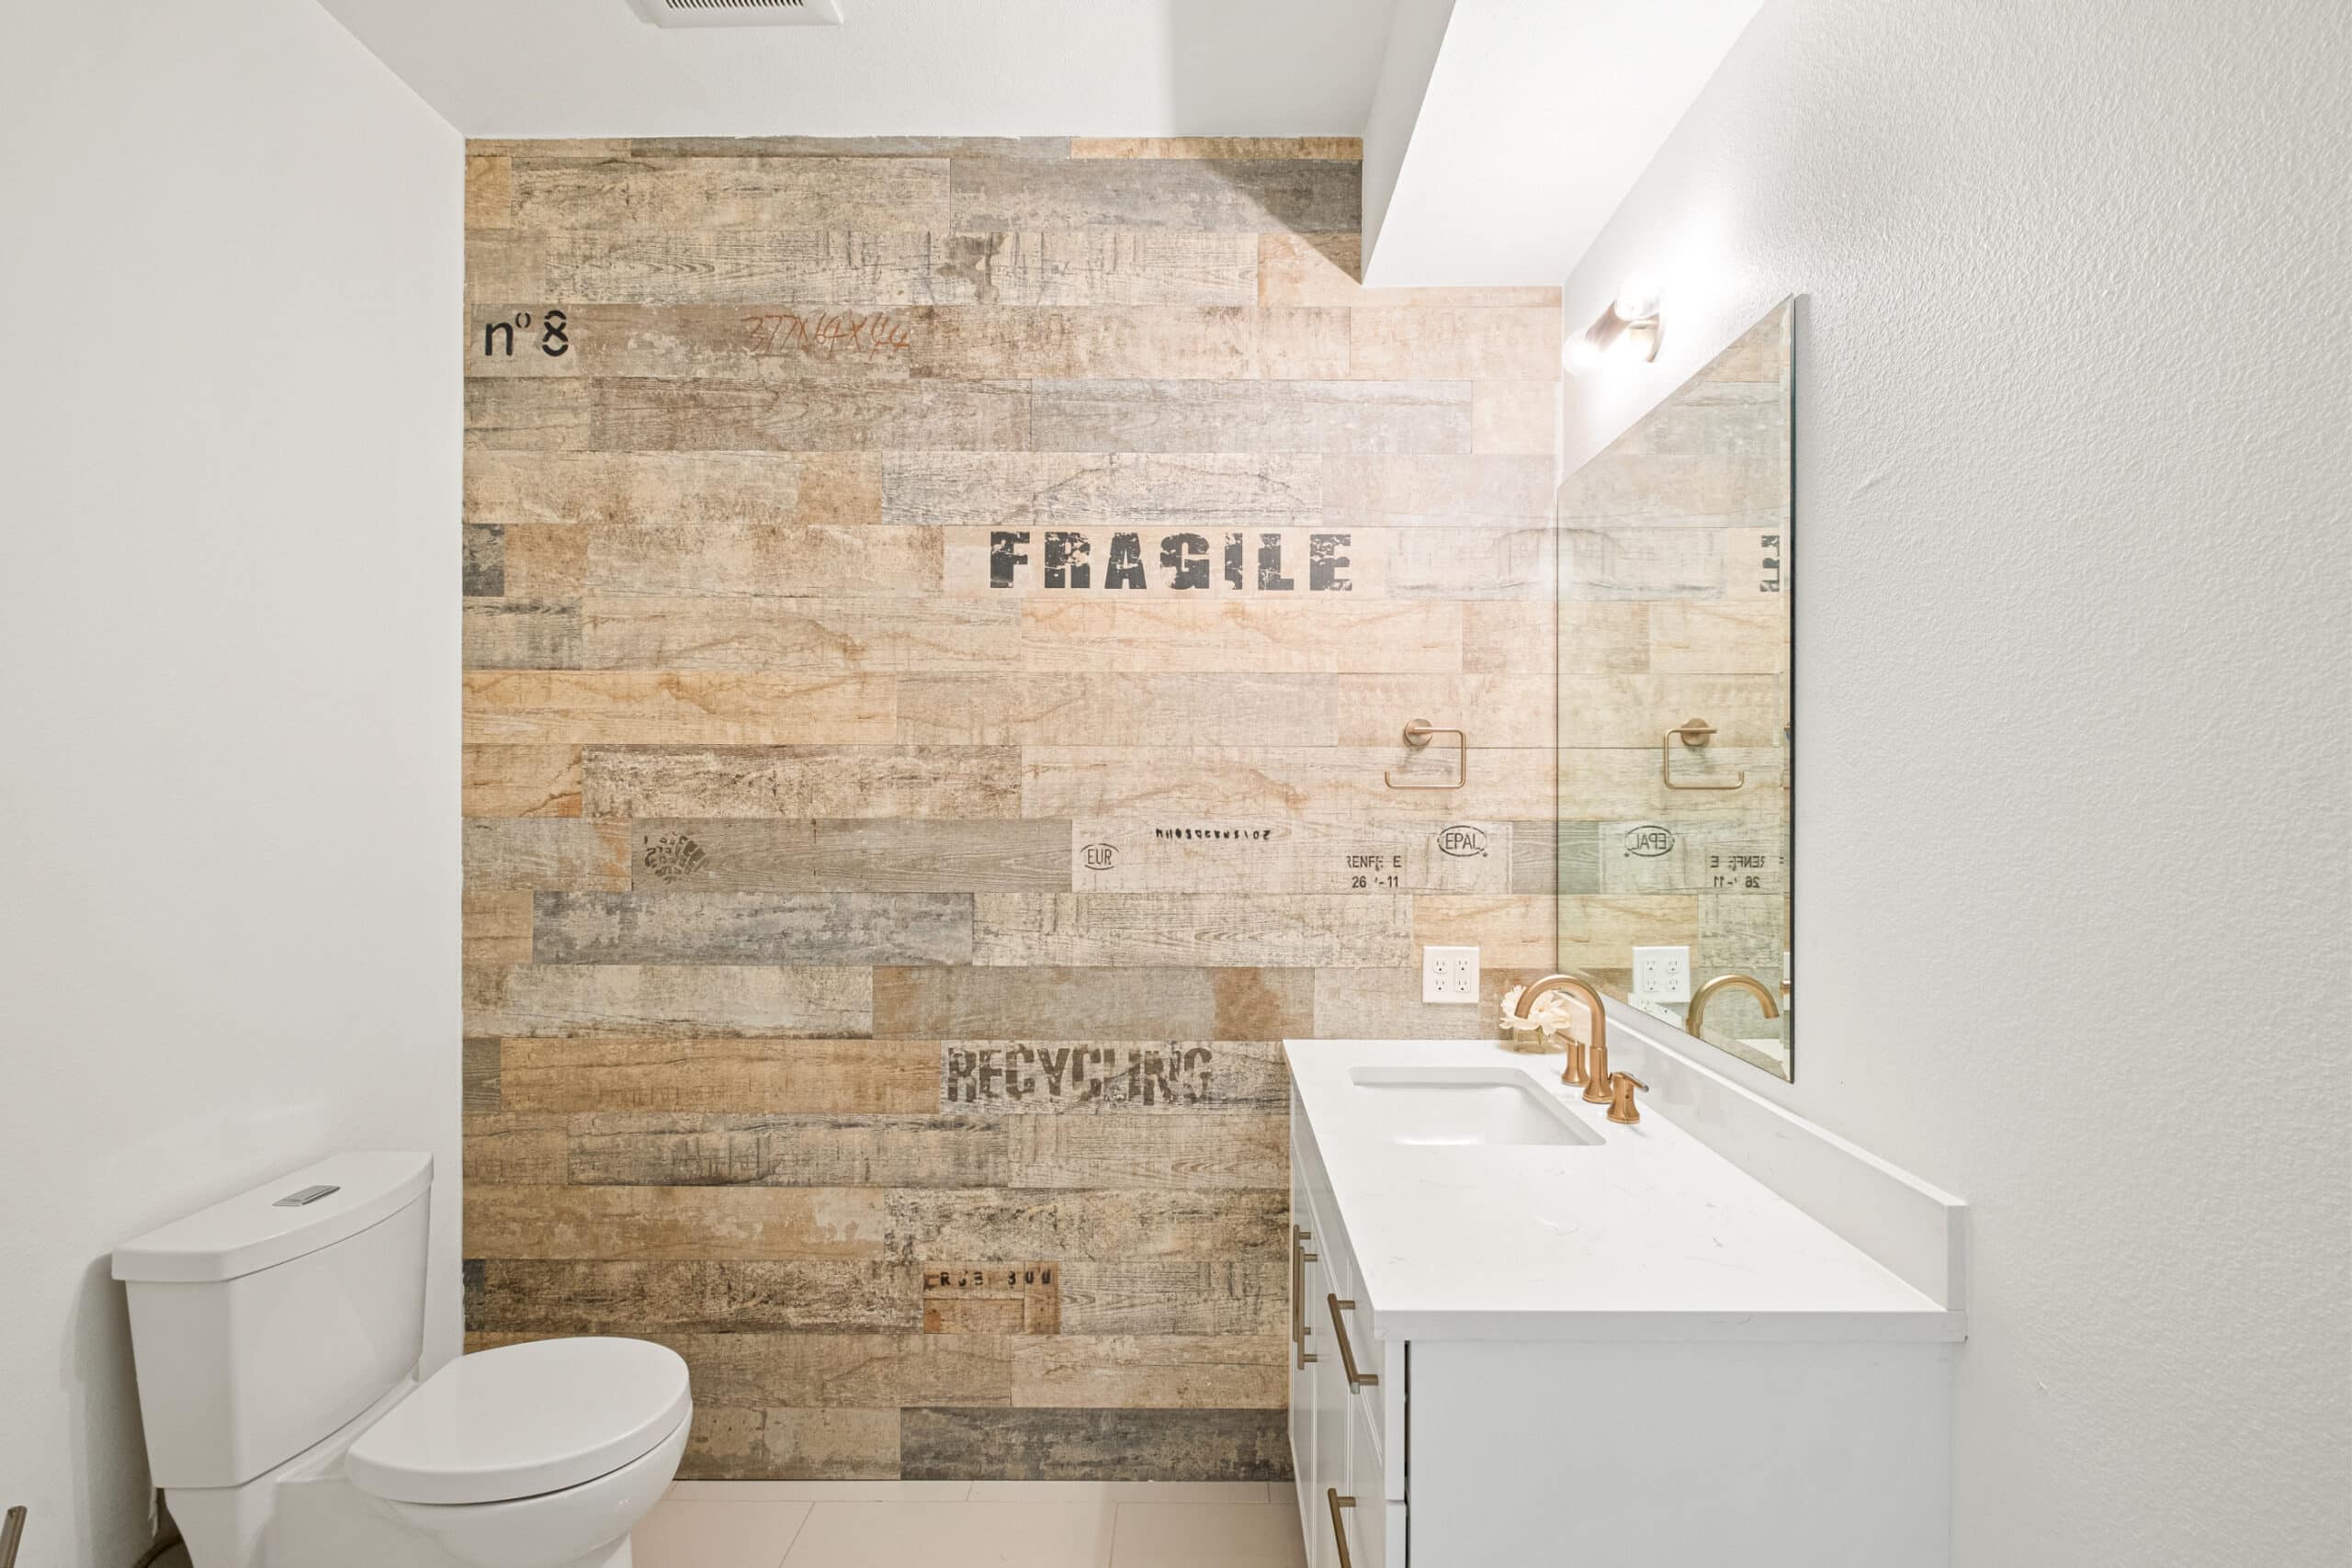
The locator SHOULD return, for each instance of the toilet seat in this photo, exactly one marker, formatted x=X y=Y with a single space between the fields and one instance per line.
x=522 y=1420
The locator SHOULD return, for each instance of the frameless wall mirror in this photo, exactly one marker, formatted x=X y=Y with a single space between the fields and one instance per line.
x=1675 y=705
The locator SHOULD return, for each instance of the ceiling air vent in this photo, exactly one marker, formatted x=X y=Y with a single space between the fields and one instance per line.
x=739 y=13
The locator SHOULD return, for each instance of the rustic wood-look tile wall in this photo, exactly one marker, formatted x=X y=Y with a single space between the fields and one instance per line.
x=937 y=616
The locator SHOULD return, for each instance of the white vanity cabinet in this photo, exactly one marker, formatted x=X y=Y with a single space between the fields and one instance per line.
x=1530 y=1388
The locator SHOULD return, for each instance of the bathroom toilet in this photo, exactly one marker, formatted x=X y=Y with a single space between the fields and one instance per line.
x=277 y=1337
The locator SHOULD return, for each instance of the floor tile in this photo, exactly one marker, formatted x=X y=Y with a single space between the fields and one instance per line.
x=968 y=1535
x=1119 y=1490
x=718 y=1535
x=823 y=1491
x=1178 y=1534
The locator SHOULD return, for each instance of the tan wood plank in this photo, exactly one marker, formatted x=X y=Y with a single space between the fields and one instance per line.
x=520 y=781
x=502 y=854
x=1325 y=634
x=1456 y=343
x=1516 y=416
x=522 y=636
x=903 y=855
x=672 y=1149
x=675 y=489
x=846 y=1370
x=1385 y=1004
x=1207 y=929
x=802 y=1295
x=716 y=194
x=834 y=416
x=537 y=707
x=763 y=632
x=1239 y=195
x=1436 y=492
x=489 y=192
x=1170 y=1296
x=758 y=560
x=1330 y=149
x=495 y=929
x=1060 y=1003
x=1308 y=784
x=1160 y=709
x=1252 y=416
x=840 y=1076
x=803 y=781
x=948 y=1444
x=1153 y=1371
x=1323 y=269
x=826 y=1001
x=1065 y=1224
x=647 y=1224
x=1190 y=1151
x=506 y=1149
x=1140 y=490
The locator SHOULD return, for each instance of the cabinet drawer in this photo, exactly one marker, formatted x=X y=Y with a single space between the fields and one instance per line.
x=1375 y=1526
x=1377 y=1393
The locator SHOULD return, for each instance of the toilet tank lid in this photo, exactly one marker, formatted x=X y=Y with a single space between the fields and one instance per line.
x=280 y=1220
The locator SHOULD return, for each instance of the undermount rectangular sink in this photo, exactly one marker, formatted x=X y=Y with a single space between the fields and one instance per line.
x=1464 y=1106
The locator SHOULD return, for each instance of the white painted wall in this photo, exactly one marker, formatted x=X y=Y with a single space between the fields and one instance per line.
x=2072 y=565
x=229 y=449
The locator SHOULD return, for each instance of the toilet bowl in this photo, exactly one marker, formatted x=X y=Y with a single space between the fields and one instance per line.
x=532 y=1455
x=275 y=1338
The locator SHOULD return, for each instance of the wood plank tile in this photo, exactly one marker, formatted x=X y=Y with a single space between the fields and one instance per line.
x=1335 y=149
x=1239 y=196
x=1285 y=566
x=489 y=192
x=1191 y=1151
x=1516 y=416
x=527 y=414
x=759 y=632
x=1014 y=1077
x=1143 y=490
x=1740 y=638
x=1271 y=855
x=1455 y=343
x=1171 y=1296
x=639 y=1224
x=802 y=781
x=506 y=1149
x=807 y=1077
x=1306 y=783
x=697 y=1296
x=846 y=146
x=1514 y=931
x=890 y=855
x=537 y=707
x=730 y=1444
x=1152 y=1372
x=846 y=270
x=1533 y=637
x=543 y=564
x=502 y=855
x=1115 y=710
x=679 y=999
x=1064 y=1225
x=757 y=559
x=716 y=194
x=521 y=781
x=1726 y=851
x=1091 y=1004
x=496 y=928
x=484 y=566
x=673 y=489
x=652 y=415
x=672 y=1149
x=1436 y=492
x=1207 y=929
x=1023 y=1297
x=1168 y=636
x=947 y=1443
x=1385 y=1004
x=1323 y=269
x=522 y=636
x=1474 y=563
x=753 y=928
x=482 y=1091
x=1496 y=710
x=846 y=1370
x=1250 y=416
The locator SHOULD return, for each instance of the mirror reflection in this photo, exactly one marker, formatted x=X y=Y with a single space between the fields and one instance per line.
x=1675 y=705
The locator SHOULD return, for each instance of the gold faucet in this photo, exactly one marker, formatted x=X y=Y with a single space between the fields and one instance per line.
x=1699 y=999
x=1585 y=1066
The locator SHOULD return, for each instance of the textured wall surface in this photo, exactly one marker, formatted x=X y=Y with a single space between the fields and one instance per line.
x=938 y=616
x=2072 y=861
x=228 y=933
x=1674 y=591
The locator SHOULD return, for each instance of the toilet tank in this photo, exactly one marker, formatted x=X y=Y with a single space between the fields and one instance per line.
x=262 y=1324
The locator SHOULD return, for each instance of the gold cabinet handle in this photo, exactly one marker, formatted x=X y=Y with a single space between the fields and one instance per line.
x=1299 y=1258
x=1338 y=1531
x=1357 y=1382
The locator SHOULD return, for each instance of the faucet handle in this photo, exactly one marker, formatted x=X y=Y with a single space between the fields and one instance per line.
x=1621 y=1108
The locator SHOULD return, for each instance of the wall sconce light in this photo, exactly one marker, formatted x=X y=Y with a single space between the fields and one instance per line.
x=1629 y=328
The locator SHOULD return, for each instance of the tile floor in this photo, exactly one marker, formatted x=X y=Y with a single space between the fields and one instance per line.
x=914 y=1524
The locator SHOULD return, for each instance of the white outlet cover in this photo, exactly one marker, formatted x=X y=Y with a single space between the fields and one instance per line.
x=1449 y=975
x=1662 y=974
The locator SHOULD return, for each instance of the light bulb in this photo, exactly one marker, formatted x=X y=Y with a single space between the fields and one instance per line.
x=1637 y=299
x=1581 y=353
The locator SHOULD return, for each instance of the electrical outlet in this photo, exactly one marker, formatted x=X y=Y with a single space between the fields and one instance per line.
x=1662 y=974
x=1449 y=974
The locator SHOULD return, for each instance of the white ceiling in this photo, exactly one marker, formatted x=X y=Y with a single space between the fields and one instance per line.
x=896 y=68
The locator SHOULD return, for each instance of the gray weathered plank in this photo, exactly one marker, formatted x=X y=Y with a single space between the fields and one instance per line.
x=667 y=1149
x=815 y=1295
x=1014 y=490
x=753 y=928
x=802 y=781
x=1249 y=416
x=1175 y=1296
x=1036 y=1003
x=1240 y=195
x=950 y=1443
x=869 y=1077
x=730 y=1443
x=888 y=855
x=1209 y=929
x=760 y=632
x=832 y=1002
x=675 y=489
x=1116 y=710
x=715 y=194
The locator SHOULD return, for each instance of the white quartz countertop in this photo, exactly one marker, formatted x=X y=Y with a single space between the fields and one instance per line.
x=1650 y=1235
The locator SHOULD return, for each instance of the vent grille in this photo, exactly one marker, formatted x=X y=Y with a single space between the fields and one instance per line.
x=739 y=13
